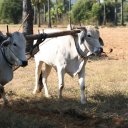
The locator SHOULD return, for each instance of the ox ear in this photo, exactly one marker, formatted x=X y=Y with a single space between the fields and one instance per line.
x=83 y=35
x=101 y=41
x=5 y=43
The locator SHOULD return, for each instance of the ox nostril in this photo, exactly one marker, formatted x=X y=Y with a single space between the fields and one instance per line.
x=101 y=50
x=24 y=63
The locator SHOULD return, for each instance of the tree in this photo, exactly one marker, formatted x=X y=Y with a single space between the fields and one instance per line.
x=49 y=15
x=115 y=12
x=97 y=12
x=70 y=13
x=110 y=12
x=64 y=5
x=38 y=4
x=28 y=25
x=56 y=11
x=81 y=11
x=11 y=11
x=122 y=12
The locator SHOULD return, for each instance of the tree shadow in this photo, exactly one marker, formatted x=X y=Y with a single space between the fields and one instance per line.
x=101 y=111
x=114 y=103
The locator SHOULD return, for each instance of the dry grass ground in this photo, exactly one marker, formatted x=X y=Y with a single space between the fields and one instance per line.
x=106 y=88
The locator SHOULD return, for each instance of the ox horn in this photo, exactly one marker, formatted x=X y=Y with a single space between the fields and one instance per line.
x=8 y=34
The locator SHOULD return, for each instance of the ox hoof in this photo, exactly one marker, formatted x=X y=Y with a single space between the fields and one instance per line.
x=48 y=96
x=36 y=91
x=83 y=102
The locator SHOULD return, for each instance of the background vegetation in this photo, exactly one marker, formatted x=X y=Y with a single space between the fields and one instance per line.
x=81 y=11
x=10 y=11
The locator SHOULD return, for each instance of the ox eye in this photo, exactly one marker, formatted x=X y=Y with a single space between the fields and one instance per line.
x=89 y=35
x=15 y=44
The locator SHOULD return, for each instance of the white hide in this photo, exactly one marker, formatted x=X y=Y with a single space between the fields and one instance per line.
x=62 y=54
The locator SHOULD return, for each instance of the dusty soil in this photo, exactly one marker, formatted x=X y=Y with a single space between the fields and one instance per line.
x=69 y=113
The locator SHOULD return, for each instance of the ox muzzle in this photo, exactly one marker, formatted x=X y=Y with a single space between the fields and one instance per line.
x=97 y=52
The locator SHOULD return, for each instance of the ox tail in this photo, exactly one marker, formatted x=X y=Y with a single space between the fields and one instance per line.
x=40 y=83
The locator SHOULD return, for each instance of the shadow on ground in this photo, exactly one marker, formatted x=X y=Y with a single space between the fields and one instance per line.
x=101 y=111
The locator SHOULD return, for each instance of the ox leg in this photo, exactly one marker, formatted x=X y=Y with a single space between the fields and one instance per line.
x=37 y=76
x=44 y=79
x=2 y=94
x=60 y=72
x=81 y=76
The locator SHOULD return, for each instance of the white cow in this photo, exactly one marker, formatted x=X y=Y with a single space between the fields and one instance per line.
x=67 y=54
x=12 y=52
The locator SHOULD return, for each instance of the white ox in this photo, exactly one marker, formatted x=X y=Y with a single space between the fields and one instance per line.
x=67 y=54
x=12 y=52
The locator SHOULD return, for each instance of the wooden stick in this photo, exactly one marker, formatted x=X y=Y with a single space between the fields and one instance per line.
x=7 y=29
x=23 y=22
x=51 y=35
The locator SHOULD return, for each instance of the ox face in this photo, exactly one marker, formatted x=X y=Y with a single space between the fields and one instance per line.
x=14 y=49
x=90 y=39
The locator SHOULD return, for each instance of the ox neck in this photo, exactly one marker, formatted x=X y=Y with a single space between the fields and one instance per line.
x=81 y=53
x=5 y=57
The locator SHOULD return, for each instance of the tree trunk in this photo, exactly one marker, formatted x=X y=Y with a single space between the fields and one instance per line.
x=38 y=7
x=28 y=24
x=104 y=20
x=44 y=17
x=115 y=12
x=49 y=15
x=56 y=11
x=122 y=13
x=64 y=6
x=70 y=13
x=35 y=15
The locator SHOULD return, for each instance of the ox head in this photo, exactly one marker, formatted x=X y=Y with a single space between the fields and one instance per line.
x=89 y=37
x=14 y=49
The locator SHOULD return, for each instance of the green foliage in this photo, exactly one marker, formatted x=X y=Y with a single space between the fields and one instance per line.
x=38 y=3
x=110 y=14
x=81 y=10
x=11 y=11
x=92 y=12
x=60 y=11
x=96 y=10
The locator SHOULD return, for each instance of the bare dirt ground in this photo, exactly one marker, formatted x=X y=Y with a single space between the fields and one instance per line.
x=106 y=89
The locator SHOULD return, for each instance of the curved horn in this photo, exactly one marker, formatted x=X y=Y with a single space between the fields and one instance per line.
x=8 y=34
